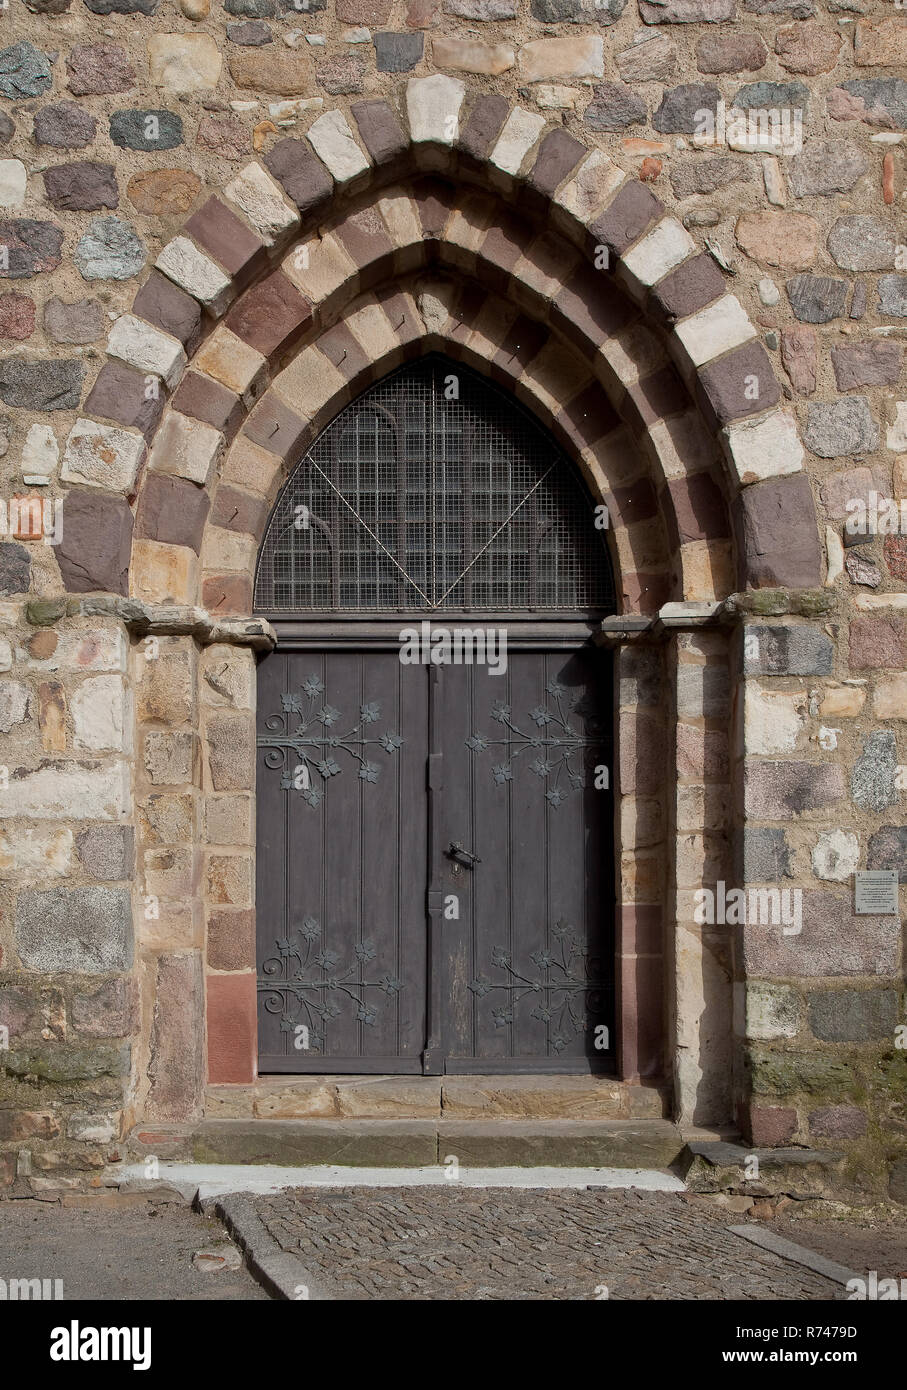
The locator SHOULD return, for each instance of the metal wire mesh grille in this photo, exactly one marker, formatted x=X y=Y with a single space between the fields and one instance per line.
x=434 y=491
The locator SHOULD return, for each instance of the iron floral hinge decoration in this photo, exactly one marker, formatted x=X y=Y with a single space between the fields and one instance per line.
x=313 y=984
x=563 y=984
x=315 y=751
x=555 y=742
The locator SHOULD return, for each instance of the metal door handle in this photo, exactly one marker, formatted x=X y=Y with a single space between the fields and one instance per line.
x=456 y=851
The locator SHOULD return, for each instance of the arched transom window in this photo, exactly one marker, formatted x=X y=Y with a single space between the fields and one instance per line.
x=434 y=491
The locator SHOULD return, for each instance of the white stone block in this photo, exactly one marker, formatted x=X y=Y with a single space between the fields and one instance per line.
x=37 y=853
x=13 y=180
x=40 y=452
x=433 y=107
x=772 y=1011
x=148 y=349
x=768 y=447
x=521 y=131
x=98 y=711
x=257 y=195
x=104 y=456
x=550 y=60
x=184 y=62
x=13 y=705
x=660 y=251
x=836 y=855
x=183 y=263
x=896 y=437
x=596 y=179
x=333 y=142
x=773 y=719
x=714 y=330
x=64 y=791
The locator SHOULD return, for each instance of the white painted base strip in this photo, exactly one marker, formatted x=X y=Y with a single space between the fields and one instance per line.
x=217 y=1179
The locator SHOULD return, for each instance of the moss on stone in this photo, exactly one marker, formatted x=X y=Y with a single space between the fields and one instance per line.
x=44 y=612
x=59 y=1064
x=787 y=1073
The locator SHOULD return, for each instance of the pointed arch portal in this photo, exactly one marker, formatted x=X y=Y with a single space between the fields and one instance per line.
x=435 y=879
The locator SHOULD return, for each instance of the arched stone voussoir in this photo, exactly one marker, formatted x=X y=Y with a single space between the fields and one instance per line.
x=623 y=258
x=378 y=333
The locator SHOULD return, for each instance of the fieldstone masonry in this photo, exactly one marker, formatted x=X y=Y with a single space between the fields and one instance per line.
x=223 y=222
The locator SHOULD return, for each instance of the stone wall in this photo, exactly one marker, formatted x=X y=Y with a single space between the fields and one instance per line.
x=126 y=904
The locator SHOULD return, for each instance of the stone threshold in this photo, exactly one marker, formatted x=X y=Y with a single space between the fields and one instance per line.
x=520 y=1097
x=706 y=1161
x=406 y=1143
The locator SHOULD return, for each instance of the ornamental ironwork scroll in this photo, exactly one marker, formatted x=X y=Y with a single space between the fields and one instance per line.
x=305 y=982
x=317 y=743
x=561 y=980
x=554 y=739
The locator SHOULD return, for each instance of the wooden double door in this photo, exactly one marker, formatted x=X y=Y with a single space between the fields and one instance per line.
x=435 y=860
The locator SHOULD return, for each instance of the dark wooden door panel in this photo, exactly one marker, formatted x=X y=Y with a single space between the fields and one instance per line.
x=341 y=862
x=528 y=959
x=522 y=963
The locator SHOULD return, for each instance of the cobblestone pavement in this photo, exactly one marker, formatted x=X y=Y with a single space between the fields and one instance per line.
x=440 y=1243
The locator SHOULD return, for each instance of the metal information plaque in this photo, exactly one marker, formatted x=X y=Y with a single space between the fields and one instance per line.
x=876 y=892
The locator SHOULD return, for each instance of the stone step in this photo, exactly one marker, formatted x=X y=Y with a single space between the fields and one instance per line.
x=438 y=1097
x=719 y=1166
x=652 y=1143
